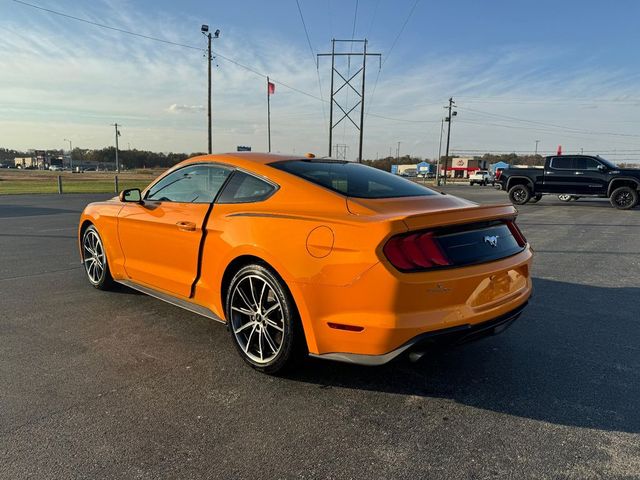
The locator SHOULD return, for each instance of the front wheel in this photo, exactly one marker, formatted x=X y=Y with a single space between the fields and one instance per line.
x=94 y=259
x=565 y=197
x=624 y=198
x=263 y=320
x=519 y=194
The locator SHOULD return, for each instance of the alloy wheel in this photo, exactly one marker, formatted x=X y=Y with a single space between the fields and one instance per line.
x=520 y=195
x=257 y=319
x=94 y=257
x=623 y=199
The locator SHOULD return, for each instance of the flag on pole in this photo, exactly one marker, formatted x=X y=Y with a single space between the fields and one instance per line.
x=271 y=88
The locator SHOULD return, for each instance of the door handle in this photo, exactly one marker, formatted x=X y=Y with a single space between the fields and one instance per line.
x=579 y=173
x=186 y=226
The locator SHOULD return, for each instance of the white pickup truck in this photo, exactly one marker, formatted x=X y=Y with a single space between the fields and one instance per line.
x=482 y=177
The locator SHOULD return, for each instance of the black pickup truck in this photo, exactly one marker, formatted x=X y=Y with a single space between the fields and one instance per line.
x=576 y=175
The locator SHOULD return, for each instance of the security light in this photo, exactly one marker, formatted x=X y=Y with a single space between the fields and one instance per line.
x=216 y=34
x=204 y=28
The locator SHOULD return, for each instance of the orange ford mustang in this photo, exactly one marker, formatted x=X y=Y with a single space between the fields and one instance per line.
x=337 y=259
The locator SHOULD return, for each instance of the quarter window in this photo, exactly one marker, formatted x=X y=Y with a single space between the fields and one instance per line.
x=245 y=188
x=193 y=184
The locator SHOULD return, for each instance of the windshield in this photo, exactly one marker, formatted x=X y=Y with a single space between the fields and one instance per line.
x=607 y=163
x=353 y=179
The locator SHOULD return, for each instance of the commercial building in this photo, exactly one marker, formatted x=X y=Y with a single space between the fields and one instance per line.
x=463 y=167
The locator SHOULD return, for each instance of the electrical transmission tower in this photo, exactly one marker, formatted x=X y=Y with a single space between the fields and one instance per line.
x=347 y=110
x=341 y=151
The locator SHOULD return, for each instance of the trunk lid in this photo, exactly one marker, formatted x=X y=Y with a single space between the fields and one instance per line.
x=429 y=211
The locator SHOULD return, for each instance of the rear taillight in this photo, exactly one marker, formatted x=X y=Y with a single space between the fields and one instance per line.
x=415 y=251
x=517 y=234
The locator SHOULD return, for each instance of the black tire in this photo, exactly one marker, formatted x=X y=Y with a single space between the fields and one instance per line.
x=624 y=198
x=94 y=260
x=519 y=194
x=535 y=199
x=471 y=184
x=280 y=328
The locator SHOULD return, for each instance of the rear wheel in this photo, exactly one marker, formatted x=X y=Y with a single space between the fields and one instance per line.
x=565 y=197
x=94 y=259
x=519 y=194
x=624 y=198
x=263 y=320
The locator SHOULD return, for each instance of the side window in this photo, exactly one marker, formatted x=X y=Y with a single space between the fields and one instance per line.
x=245 y=188
x=586 y=164
x=563 y=163
x=194 y=184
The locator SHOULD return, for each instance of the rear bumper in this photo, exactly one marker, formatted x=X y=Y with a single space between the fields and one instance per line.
x=447 y=336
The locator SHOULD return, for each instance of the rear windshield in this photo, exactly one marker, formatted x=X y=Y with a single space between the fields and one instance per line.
x=353 y=179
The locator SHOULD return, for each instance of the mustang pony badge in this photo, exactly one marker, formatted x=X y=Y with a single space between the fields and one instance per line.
x=491 y=240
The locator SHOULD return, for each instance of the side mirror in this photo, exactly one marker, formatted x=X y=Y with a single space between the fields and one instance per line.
x=131 y=195
x=601 y=167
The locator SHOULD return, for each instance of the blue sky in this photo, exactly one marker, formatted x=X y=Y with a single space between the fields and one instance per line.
x=563 y=72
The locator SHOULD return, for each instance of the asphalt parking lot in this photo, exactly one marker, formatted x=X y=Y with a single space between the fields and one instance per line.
x=120 y=385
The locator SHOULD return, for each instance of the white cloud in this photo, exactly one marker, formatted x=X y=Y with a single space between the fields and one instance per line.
x=175 y=108
x=62 y=80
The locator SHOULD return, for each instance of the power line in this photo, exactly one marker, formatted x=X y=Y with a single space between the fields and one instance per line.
x=96 y=24
x=375 y=85
x=402 y=119
x=355 y=18
x=415 y=4
x=373 y=17
x=561 y=127
x=313 y=58
x=161 y=40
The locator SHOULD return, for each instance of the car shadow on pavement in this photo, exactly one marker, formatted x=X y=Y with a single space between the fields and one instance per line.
x=9 y=211
x=572 y=359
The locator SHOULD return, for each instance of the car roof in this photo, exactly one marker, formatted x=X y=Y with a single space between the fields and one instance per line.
x=242 y=157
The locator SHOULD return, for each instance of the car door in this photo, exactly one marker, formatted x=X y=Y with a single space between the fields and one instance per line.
x=559 y=175
x=161 y=237
x=590 y=177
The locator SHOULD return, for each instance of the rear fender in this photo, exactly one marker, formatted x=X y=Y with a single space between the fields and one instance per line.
x=519 y=180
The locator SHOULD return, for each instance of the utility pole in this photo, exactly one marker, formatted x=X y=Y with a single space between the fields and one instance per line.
x=448 y=119
x=537 y=142
x=269 y=112
x=398 y=153
x=346 y=82
x=117 y=135
x=205 y=31
x=70 y=154
x=439 y=153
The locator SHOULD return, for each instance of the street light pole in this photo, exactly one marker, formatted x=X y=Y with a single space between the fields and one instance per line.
x=205 y=31
x=70 y=153
x=537 y=142
x=117 y=135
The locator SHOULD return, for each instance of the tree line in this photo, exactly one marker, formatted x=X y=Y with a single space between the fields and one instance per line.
x=135 y=158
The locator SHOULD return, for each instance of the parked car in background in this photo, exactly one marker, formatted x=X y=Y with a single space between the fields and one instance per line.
x=575 y=176
x=55 y=168
x=320 y=256
x=481 y=177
